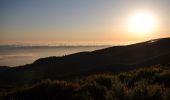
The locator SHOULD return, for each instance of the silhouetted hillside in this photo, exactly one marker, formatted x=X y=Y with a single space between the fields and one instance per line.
x=113 y=59
x=141 y=84
x=3 y=68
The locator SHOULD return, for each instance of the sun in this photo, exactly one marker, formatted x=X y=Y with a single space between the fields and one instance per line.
x=141 y=23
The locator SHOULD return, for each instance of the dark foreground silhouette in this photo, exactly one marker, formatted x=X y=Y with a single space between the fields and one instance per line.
x=151 y=83
x=23 y=82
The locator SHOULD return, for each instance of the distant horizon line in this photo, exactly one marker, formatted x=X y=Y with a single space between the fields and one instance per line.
x=65 y=43
x=69 y=43
x=39 y=46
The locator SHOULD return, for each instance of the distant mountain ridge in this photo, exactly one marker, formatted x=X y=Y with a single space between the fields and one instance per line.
x=112 y=59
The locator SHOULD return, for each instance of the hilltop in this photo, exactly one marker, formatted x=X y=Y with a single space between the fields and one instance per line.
x=112 y=59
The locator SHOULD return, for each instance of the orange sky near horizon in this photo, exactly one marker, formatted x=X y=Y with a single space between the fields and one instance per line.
x=74 y=21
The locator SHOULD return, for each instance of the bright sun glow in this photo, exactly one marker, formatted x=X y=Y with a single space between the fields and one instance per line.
x=141 y=23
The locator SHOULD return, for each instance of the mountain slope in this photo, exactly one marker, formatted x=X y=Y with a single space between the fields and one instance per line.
x=3 y=68
x=113 y=59
x=151 y=83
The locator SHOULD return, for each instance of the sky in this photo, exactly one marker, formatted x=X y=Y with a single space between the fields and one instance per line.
x=79 y=20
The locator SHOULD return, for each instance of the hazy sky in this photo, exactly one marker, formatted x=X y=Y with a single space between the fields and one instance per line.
x=78 y=20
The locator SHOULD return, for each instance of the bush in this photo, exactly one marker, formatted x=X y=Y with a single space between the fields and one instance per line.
x=141 y=84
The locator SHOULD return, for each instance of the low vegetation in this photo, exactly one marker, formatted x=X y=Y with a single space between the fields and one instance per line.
x=151 y=83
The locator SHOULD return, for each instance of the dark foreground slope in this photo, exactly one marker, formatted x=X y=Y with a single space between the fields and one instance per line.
x=151 y=83
x=3 y=68
x=113 y=59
